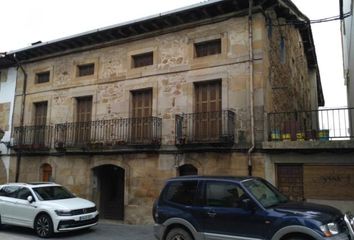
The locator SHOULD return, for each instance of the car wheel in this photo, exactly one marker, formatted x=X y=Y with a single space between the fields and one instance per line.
x=43 y=226
x=178 y=234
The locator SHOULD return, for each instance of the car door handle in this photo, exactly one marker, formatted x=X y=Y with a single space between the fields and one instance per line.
x=211 y=214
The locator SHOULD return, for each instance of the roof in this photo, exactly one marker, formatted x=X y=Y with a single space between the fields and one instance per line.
x=197 y=14
x=31 y=184
x=199 y=177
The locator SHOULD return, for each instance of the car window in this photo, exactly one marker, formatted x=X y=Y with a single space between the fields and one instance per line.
x=2 y=192
x=23 y=193
x=10 y=191
x=52 y=193
x=182 y=192
x=223 y=194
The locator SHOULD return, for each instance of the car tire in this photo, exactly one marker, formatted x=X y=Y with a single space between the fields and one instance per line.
x=178 y=234
x=43 y=226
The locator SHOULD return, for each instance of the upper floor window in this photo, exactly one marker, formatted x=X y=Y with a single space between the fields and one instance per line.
x=42 y=77
x=207 y=48
x=86 y=69
x=141 y=60
x=40 y=117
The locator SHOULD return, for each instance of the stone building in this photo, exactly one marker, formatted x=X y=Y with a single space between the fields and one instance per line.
x=113 y=113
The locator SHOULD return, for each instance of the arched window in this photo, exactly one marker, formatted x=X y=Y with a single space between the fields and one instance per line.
x=46 y=172
x=187 y=169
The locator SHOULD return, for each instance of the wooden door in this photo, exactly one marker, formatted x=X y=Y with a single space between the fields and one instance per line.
x=141 y=113
x=208 y=110
x=40 y=121
x=46 y=172
x=83 y=120
x=290 y=181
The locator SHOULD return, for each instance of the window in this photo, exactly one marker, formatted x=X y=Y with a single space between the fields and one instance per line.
x=40 y=117
x=84 y=109
x=207 y=48
x=24 y=193
x=42 y=77
x=10 y=191
x=187 y=169
x=86 y=69
x=182 y=192
x=208 y=121
x=220 y=194
x=83 y=119
x=141 y=113
x=141 y=60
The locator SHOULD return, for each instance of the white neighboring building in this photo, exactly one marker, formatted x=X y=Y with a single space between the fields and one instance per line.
x=7 y=96
x=347 y=27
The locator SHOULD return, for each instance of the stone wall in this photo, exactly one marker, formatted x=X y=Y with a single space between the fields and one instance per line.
x=171 y=77
x=289 y=82
x=145 y=174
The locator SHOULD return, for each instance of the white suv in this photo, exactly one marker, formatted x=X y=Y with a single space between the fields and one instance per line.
x=45 y=207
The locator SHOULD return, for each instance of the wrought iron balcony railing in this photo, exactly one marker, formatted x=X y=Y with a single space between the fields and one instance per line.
x=323 y=124
x=33 y=138
x=109 y=134
x=205 y=127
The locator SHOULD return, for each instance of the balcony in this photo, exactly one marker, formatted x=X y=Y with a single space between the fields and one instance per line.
x=317 y=125
x=32 y=138
x=109 y=134
x=205 y=128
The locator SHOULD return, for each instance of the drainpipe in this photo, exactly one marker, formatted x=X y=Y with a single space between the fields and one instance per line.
x=250 y=41
x=19 y=154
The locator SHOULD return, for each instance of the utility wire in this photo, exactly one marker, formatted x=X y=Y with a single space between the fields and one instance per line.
x=322 y=20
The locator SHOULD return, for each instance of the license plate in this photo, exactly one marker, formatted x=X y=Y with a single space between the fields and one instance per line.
x=82 y=218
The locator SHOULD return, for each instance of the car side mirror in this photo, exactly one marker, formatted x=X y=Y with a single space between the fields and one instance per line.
x=247 y=204
x=30 y=199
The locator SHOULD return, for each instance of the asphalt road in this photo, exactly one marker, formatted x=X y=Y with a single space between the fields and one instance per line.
x=102 y=231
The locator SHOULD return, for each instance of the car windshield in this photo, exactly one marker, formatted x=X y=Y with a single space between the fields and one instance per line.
x=265 y=193
x=52 y=193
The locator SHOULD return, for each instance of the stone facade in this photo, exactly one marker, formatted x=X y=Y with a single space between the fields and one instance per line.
x=279 y=84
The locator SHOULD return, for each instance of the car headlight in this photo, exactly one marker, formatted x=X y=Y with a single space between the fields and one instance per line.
x=63 y=212
x=329 y=229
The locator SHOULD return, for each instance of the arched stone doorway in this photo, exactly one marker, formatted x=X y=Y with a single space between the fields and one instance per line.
x=187 y=169
x=110 y=191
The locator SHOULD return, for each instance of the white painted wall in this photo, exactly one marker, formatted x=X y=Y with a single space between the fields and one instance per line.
x=7 y=94
x=348 y=56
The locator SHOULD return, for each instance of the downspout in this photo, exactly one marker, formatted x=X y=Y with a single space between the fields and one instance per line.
x=250 y=43
x=19 y=153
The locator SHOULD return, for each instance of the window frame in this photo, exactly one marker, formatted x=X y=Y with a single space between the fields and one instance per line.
x=195 y=198
x=81 y=72
x=135 y=57
x=205 y=193
x=40 y=74
x=207 y=48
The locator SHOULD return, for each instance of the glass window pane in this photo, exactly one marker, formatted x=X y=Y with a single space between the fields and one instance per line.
x=182 y=192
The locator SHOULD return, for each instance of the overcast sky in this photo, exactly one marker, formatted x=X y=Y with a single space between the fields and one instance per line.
x=23 y=22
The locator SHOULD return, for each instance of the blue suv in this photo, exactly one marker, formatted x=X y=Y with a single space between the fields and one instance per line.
x=246 y=208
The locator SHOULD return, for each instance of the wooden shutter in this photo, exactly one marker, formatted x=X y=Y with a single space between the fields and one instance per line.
x=208 y=110
x=142 y=112
x=84 y=109
x=40 y=117
x=83 y=119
